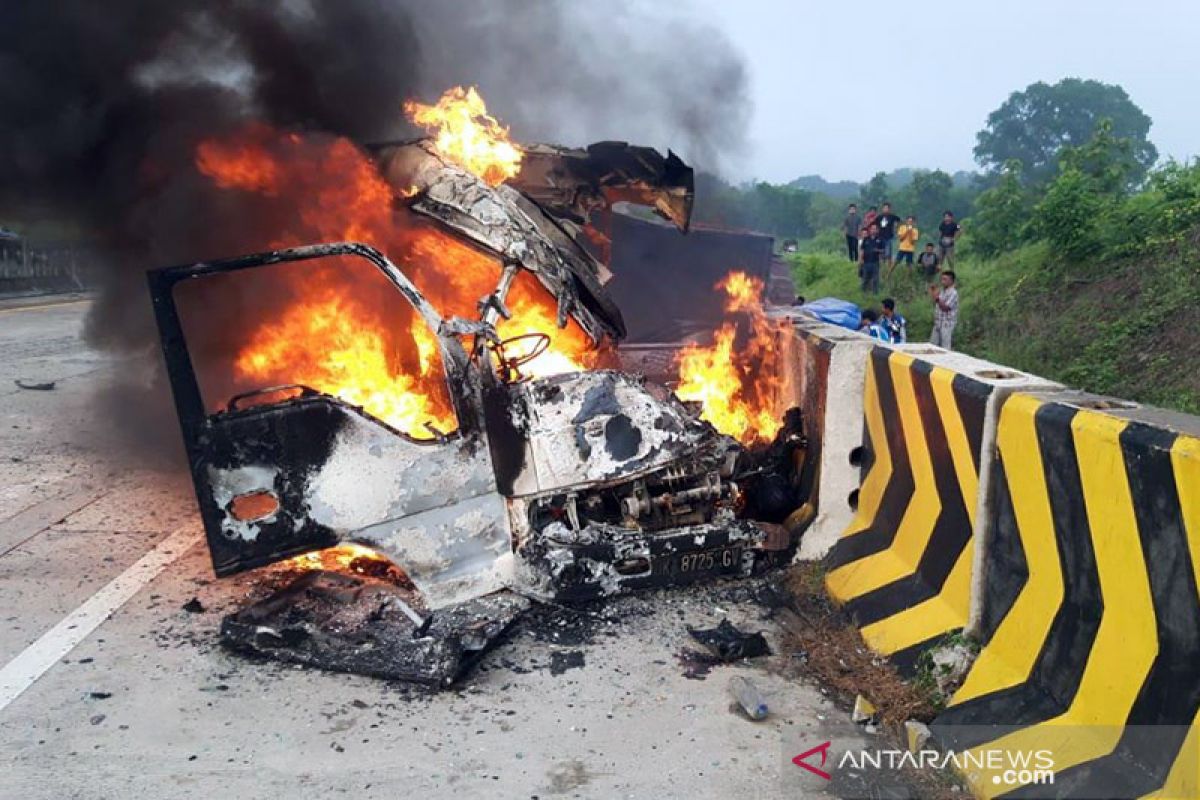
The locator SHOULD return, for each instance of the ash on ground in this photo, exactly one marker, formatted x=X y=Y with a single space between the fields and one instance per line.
x=378 y=626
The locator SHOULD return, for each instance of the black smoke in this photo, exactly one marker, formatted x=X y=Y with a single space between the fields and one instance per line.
x=102 y=105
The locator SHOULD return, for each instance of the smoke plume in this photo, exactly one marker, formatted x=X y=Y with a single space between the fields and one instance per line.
x=105 y=103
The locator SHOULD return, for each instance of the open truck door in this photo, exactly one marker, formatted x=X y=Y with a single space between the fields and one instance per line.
x=286 y=468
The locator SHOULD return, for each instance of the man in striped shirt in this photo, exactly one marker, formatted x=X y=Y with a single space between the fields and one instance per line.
x=945 y=310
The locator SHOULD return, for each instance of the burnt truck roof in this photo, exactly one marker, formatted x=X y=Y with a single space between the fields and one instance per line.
x=542 y=218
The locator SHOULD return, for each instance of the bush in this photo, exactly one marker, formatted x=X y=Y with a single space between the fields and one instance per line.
x=1072 y=216
x=1001 y=214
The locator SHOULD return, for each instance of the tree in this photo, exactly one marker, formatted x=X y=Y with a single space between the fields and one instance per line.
x=764 y=207
x=1109 y=161
x=875 y=192
x=930 y=193
x=1001 y=213
x=1034 y=125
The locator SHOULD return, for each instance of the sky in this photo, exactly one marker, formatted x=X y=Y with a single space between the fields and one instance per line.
x=846 y=89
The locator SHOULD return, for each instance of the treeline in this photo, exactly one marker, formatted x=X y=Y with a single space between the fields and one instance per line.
x=788 y=212
x=1100 y=204
x=1069 y=164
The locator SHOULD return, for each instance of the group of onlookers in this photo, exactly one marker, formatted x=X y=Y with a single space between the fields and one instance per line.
x=889 y=325
x=881 y=237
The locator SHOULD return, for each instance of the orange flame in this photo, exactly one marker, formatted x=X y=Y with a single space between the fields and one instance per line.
x=243 y=164
x=322 y=344
x=338 y=558
x=467 y=135
x=336 y=325
x=735 y=384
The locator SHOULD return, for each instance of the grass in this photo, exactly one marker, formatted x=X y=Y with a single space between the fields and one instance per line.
x=1124 y=327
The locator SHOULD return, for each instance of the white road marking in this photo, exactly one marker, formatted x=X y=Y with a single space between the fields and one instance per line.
x=41 y=306
x=32 y=662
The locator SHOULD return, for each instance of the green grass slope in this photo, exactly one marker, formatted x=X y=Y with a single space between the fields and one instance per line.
x=1126 y=327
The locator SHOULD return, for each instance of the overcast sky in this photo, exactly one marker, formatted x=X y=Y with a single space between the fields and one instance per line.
x=846 y=89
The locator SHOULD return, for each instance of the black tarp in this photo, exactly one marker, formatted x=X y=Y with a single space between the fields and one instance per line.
x=664 y=280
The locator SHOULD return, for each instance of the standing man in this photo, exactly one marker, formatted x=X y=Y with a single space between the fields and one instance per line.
x=929 y=261
x=907 y=235
x=869 y=256
x=945 y=310
x=949 y=230
x=887 y=222
x=896 y=325
x=869 y=219
x=852 y=226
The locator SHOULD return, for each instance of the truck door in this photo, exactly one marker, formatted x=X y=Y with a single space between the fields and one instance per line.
x=320 y=403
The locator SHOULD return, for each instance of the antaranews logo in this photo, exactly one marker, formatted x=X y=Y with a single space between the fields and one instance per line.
x=802 y=760
x=1003 y=767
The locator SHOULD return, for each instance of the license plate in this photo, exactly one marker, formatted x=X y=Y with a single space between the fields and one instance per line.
x=719 y=560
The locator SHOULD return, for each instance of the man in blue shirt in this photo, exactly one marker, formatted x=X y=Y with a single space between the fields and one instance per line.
x=897 y=326
x=871 y=326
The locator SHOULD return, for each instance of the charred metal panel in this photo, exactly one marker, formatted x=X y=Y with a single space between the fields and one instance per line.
x=506 y=425
x=603 y=560
x=351 y=624
x=663 y=281
x=451 y=553
x=339 y=475
x=502 y=221
x=537 y=220
x=598 y=426
x=572 y=183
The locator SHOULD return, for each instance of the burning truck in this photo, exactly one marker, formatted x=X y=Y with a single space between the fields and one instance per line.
x=434 y=379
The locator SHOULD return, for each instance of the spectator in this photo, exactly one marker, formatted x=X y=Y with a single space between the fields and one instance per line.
x=895 y=324
x=869 y=220
x=868 y=260
x=949 y=230
x=852 y=225
x=945 y=310
x=871 y=327
x=906 y=237
x=887 y=222
x=929 y=261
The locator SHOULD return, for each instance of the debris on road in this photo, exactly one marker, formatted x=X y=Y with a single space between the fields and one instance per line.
x=561 y=661
x=194 y=606
x=348 y=623
x=837 y=659
x=916 y=734
x=36 y=387
x=728 y=643
x=748 y=697
x=864 y=710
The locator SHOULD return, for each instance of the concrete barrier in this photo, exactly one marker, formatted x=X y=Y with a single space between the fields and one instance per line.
x=904 y=563
x=1088 y=610
x=827 y=369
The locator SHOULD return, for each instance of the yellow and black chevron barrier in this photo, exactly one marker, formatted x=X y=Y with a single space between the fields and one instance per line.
x=902 y=569
x=1090 y=614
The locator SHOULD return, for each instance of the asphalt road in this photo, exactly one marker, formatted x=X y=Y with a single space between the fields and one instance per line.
x=143 y=702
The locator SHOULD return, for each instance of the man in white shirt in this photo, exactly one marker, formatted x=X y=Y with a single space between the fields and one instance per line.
x=945 y=310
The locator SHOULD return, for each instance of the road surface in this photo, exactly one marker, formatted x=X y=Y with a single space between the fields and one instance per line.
x=144 y=702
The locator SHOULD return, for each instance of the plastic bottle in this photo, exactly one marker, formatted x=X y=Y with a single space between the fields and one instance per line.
x=748 y=697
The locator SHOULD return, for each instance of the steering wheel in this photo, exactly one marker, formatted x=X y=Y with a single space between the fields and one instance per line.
x=513 y=365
